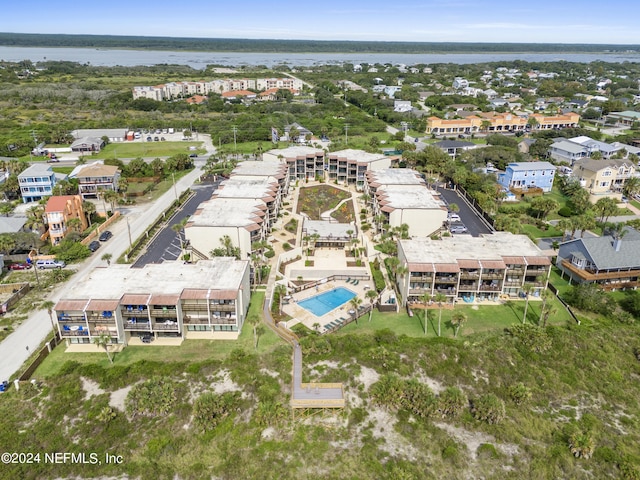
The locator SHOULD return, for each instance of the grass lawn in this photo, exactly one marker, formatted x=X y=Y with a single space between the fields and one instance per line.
x=189 y=351
x=482 y=318
x=635 y=203
x=64 y=170
x=146 y=149
x=559 y=197
x=315 y=200
x=561 y=284
x=537 y=233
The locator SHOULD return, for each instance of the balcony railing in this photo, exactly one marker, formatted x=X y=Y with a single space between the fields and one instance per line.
x=446 y=291
x=138 y=326
x=493 y=276
x=163 y=312
x=71 y=319
x=469 y=274
x=451 y=279
x=490 y=288
x=166 y=326
x=467 y=288
x=74 y=333
x=223 y=307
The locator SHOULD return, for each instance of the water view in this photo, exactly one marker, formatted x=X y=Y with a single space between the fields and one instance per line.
x=199 y=60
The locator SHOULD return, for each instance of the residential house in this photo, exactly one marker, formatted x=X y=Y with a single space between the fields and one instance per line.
x=460 y=83
x=603 y=178
x=302 y=132
x=401 y=196
x=239 y=94
x=349 y=166
x=470 y=269
x=454 y=147
x=623 y=119
x=95 y=178
x=87 y=145
x=526 y=175
x=36 y=182
x=525 y=144
x=609 y=262
x=165 y=302
x=566 y=151
x=58 y=211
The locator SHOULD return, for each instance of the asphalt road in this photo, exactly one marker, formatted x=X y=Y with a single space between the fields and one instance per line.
x=166 y=245
x=467 y=215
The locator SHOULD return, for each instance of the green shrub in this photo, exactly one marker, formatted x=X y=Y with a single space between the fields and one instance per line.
x=488 y=408
x=210 y=409
x=452 y=402
x=286 y=246
x=565 y=212
x=519 y=393
x=531 y=337
x=154 y=397
x=269 y=253
x=487 y=450
x=378 y=278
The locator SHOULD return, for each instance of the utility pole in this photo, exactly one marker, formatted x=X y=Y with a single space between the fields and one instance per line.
x=129 y=230
x=346 y=133
x=173 y=174
x=235 y=146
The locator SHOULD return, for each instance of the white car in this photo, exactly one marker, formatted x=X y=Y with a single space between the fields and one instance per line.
x=459 y=228
x=453 y=217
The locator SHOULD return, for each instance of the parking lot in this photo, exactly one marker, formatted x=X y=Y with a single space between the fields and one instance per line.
x=468 y=216
x=166 y=245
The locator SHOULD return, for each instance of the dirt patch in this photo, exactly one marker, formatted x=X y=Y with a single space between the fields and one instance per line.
x=222 y=383
x=394 y=443
x=118 y=397
x=91 y=388
x=473 y=440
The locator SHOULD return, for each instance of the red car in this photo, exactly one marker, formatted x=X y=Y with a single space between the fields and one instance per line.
x=20 y=266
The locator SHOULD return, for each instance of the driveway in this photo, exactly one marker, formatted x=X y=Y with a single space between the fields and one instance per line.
x=467 y=215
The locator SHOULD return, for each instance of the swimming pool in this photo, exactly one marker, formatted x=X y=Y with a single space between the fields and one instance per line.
x=327 y=301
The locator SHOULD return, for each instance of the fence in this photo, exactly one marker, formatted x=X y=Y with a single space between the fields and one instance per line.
x=488 y=219
x=18 y=290
x=362 y=311
x=44 y=352
x=306 y=286
x=101 y=228
x=554 y=290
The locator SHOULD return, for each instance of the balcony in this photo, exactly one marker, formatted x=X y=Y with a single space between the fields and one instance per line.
x=64 y=318
x=471 y=287
x=446 y=291
x=163 y=312
x=223 y=307
x=516 y=270
x=420 y=291
x=490 y=288
x=196 y=319
x=619 y=285
x=74 y=331
x=493 y=276
x=448 y=279
x=224 y=320
x=171 y=326
x=464 y=274
x=137 y=326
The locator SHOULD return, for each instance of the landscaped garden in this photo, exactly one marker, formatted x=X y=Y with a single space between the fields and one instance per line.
x=314 y=201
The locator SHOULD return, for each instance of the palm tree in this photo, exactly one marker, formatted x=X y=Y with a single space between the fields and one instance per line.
x=48 y=306
x=281 y=291
x=631 y=187
x=254 y=321
x=7 y=243
x=177 y=227
x=425 y=299
x=110 y=196
x=74 y=224
x=355 y=304
x=453 y=207
x=440 y=298
x=107 y=258
x=89 y=208
x=606 y=207
x=316 y=327
x=103 y=341
x=458 y=319
x=372 y=295
x=527 y=288
x=564 y=225
x=581 y=444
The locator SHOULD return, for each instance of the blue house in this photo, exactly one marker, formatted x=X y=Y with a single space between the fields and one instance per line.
x=36 y=182
x=526 y=175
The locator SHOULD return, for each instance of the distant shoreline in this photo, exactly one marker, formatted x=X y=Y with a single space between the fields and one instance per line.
x=267 y=46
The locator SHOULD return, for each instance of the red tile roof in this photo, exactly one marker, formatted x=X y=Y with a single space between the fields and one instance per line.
x=57 y=203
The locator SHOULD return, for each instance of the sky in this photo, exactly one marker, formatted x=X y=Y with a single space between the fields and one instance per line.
x=538 y=21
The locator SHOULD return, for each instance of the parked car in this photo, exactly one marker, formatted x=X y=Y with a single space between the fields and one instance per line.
x=193 y=155
x=458 y=228
x=453 y=217
x=42 y=264
x=95 y=245
x=4 y=385
x=162 y=139
x=20 y=266
x=149 y=139
x=147 y=338
x=156 y=139
x=106 y=235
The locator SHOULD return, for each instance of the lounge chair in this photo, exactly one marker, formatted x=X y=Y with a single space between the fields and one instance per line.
x=348 y=280
x=356 y=282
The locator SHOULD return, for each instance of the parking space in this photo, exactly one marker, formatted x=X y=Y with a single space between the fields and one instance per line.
x=468 y=216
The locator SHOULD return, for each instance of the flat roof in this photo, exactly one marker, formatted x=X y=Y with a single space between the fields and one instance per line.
x=228 y=212
x=408 y=196
x=256 y=168
x=488 y=247
x=528 y=166
x=394 y=176
x=247 y=187
x=220 y=273
x=358 y=155
x=296 y=151
x=327 y=229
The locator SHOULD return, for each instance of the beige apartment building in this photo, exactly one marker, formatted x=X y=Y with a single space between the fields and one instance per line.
x=603 y=178
x=166 y=303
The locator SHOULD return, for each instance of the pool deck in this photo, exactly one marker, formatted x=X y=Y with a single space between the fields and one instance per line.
x=302 y=315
